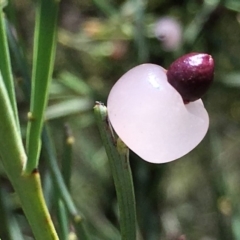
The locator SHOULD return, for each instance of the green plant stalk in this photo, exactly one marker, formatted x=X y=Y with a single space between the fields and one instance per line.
x=122 y=176
x=10 y=11
x=43 y=61
x=27 y=186
x=29 y=190
x=62 y=220
x=19 y=60
x=47 y=145
x=139 y=30
x=193 y=30
x=63 y=192
x=5 y=66
x=66 y=165
x=106 y=7
x=67 y=156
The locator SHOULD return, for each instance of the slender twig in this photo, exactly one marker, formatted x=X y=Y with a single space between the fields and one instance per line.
x=193 y=30
x=44 y=55
x=63 y=192
x=5 y=67
x=27 y=186
x=19 y=60
x=67 y=155
x=139 y=30
x=62 y=214
x=62 y=220
x=106 y=7
x=49 y=148
x=122 y=176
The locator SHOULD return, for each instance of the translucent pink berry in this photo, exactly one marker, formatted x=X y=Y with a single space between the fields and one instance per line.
x=169 y=31
x=150 y=117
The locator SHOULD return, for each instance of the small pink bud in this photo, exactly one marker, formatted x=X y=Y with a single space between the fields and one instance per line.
x=191 y=75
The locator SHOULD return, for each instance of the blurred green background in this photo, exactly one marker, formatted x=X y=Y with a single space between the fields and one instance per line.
x=195 y=197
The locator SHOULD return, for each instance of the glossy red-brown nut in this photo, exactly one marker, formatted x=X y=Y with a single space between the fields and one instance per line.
x=191 y=75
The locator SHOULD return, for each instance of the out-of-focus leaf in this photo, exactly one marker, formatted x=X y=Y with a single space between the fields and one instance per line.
x=56 y=89
x=74 y=83
x=233 y=5
x=68 y=107
x=231 y=79
x=193 y=30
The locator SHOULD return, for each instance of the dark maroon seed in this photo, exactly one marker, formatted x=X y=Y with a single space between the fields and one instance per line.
x=191 y=75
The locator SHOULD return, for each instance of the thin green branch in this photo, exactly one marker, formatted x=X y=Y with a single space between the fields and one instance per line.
x=43 y=61
x=62 y=220
x=140 y=31
x=27 y=187
x=5 y=66
x=19 y=60
x=193 y=30
x=62 y=214
x=122 y=176
x=11 y=150
x=63 y=192
x=49 y=149
x=67 y=156
x=29 y=190
x=106 y=7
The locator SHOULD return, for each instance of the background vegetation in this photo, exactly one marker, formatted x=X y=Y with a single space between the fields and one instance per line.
x=196 y=197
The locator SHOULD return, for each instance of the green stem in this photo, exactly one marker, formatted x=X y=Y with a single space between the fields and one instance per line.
x=44 y=55
x=106 y=7
x=50 y=151
x=19 y=60
x=67 y=156
x=193 y=30
x=63 y=192
x=66 y=165
x=122 y=176
x=30 y=193
x=62 y=220
x=5 y=66
x=139 y=30
x=27 y=187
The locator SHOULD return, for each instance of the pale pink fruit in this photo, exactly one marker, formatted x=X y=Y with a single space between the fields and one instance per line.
x=169 y=31
x=149 y=115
